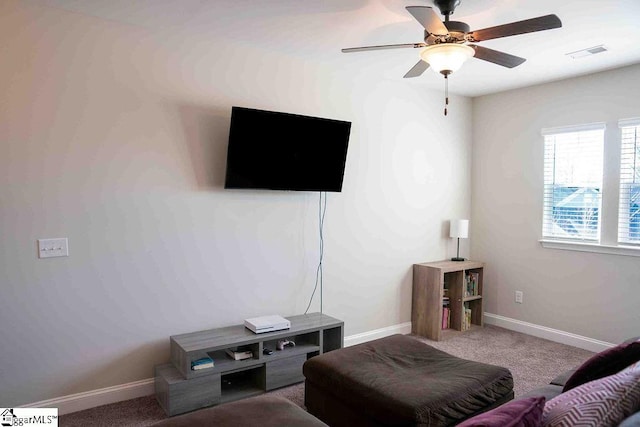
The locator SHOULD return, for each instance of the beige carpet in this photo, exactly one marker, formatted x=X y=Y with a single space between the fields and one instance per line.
x=532 y=361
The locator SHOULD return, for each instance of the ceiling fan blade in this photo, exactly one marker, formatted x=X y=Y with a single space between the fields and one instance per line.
x=497 y=57
x=382 y=47
x=428 y=19
x=417 y=69
x=540 y=23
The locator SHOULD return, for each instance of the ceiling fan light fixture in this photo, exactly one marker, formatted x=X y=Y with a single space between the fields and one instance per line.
x=446 y=58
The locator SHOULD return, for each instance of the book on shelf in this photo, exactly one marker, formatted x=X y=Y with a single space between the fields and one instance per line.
x=475 y=280
x=200 y=367
x=446 y=316
x=471 y=284
x=466 y=319
x=239 y=354
x=202 y=363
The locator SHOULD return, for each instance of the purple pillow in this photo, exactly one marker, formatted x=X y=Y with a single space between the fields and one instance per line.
x=604 y=402
x=525 y=412
x=605 y=363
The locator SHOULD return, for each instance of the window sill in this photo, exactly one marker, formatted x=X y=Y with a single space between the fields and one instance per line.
x=591 y=247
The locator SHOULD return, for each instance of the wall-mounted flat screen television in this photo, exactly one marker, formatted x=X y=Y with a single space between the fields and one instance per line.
x=282 y=151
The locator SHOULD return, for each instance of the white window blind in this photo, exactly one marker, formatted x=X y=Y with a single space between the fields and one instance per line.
x=573 y=159
x=629 y=212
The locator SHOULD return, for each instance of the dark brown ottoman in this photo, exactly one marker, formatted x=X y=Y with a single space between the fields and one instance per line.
x=261 y=411
x=400 y=381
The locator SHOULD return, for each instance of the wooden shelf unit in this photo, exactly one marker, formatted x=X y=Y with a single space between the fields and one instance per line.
x=429 y=282
x=180 y=389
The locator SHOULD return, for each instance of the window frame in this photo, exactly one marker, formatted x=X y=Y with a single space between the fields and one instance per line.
x=608 y=243
x=549 y=210
x=623 y=217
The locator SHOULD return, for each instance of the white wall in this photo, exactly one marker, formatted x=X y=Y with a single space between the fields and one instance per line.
x=592 y=295
x=115 y=137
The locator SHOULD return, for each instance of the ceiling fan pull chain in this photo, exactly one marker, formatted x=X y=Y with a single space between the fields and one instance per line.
x=446 y=93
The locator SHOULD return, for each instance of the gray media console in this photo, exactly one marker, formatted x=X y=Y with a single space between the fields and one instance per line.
x=180 y=389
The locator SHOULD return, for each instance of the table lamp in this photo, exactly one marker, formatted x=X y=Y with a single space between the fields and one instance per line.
x=458 y=229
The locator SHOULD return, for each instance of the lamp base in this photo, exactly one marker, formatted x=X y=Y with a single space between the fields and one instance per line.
x=457 y=259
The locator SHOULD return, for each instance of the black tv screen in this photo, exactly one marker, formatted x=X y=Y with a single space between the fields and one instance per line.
x=282 y=151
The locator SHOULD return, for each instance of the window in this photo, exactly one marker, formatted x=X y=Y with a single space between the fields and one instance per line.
x=629 y=212
x=573 y=165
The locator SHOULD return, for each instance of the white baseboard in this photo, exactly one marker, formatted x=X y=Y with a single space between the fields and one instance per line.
x=91 y=399
x=402 y=328
x=104 y=396
x=550 y=334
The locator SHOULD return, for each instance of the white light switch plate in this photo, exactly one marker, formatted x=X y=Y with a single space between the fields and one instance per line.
x=49 y=248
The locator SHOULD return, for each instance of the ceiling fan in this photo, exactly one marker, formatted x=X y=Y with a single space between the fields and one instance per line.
x=448 y=44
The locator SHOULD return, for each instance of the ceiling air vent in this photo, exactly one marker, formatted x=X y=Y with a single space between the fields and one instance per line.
x=588 y=51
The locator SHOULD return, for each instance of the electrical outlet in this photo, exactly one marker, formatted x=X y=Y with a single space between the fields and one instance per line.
x=519 y=296
x=49 y=248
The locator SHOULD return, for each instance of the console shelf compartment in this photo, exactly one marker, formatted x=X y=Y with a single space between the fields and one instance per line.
x=240 y=384
x=180 y=389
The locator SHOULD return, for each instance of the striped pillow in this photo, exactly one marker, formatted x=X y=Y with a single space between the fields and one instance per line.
x=604 y=402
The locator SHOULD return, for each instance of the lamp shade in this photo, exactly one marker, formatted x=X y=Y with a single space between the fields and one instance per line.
x=446 y=57
x=459 y=228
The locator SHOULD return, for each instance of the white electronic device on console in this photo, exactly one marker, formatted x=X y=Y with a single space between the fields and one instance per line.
x=267 y=324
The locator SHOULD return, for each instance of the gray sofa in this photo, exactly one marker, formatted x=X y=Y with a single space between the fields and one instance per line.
x=596 y=377
x=604 y=391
